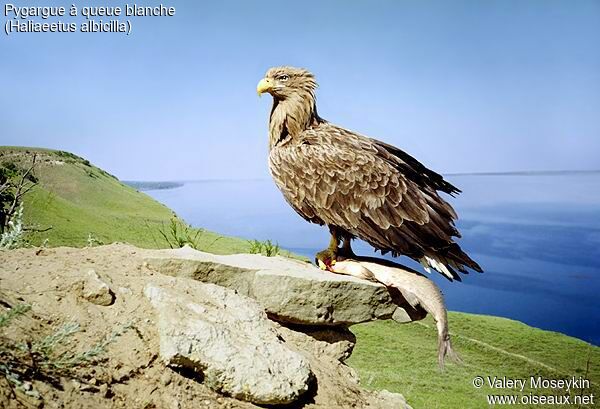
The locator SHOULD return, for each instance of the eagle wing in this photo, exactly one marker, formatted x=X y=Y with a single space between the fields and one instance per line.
x=372 y=190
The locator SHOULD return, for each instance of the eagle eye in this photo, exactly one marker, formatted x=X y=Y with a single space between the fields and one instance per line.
x=283 y=77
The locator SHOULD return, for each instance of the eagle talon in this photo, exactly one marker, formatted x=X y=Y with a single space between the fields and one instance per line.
x=326 y=259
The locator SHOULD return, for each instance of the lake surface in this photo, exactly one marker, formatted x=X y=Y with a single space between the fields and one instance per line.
x=537 y=237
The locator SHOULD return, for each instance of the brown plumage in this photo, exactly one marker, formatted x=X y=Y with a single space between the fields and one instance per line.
x=358 y=186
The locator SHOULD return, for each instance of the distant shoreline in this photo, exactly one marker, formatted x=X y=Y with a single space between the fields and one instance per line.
x=149 y=185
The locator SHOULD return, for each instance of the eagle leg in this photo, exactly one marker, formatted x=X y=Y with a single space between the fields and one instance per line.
x=326 y=259
x=346 y=250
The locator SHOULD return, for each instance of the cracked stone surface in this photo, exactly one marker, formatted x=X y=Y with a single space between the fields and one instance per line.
x=290 y=291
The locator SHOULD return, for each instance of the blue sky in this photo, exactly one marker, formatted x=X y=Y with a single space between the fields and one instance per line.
x=461 y=85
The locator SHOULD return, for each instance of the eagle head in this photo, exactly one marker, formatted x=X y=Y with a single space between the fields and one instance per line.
x=287 y=82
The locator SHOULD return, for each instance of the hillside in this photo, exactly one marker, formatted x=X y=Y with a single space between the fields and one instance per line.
x=400 y=358
x=78 y=199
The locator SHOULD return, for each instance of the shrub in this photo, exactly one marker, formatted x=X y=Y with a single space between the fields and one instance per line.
x=10 y=169
x=13 y=236
x=266 y=248
x=48 y=358
x=93 y=241
x=15 y=183
x=178 y=234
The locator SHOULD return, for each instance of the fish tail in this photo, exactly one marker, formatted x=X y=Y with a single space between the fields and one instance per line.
x=445 y=350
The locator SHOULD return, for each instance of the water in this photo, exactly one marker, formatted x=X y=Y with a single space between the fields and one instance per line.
x=537 y=237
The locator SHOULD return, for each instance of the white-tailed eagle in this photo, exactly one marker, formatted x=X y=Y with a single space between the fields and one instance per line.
x=357 y=186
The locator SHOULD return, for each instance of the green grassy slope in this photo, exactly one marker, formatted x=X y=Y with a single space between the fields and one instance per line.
x=403 y=358
x=76 y=198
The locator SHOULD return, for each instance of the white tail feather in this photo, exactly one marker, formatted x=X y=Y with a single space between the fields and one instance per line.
x=436 y=264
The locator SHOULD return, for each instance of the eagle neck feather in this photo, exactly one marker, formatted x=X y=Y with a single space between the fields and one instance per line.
x=290 y=117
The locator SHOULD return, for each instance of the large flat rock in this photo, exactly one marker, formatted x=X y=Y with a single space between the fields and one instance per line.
x=289 y=290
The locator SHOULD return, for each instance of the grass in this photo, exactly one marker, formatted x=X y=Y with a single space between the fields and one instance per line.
x=402 y=358
x=266 y=248
x=86 y=206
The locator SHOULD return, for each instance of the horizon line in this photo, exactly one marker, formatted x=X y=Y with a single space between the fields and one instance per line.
x=485 y=173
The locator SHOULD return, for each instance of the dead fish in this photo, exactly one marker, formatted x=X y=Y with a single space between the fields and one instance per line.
x=417 y=289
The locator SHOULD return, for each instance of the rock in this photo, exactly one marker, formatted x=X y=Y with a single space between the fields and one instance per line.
x=165 y=378
x=228 y=339
x=338 y=384
x=388 y=400
x=97 y=291
x=131 y=376
x=334 y=342
x=401 y=316
x=311 y=296
x=289 y=290
x=103 y=390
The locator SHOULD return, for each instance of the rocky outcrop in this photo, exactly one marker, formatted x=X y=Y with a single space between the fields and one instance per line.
x=315 y=308
x=198 y=330
x=228 y=340
x=290 y=291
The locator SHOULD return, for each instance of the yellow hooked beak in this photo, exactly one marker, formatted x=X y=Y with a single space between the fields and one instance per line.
x=264 y=85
